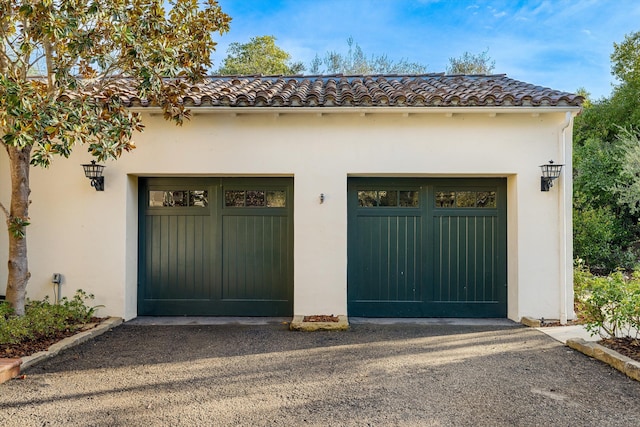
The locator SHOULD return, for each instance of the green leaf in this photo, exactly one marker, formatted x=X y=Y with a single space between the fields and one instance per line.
x=26 y=10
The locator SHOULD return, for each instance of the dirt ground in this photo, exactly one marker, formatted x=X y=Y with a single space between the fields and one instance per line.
x=627 y=346
x=266 y=375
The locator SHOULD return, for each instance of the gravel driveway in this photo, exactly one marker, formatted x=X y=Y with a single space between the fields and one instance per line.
x=371 y=375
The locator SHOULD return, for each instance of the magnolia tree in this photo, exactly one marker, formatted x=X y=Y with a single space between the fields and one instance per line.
x=60 y=64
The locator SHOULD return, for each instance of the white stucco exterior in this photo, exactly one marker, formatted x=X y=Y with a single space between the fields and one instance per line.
x=91 y=237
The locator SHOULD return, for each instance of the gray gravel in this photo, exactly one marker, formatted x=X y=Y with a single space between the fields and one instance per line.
x=372 y=375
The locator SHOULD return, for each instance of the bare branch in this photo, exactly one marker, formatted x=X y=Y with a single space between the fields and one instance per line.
x=6 y=212
x=37 y=59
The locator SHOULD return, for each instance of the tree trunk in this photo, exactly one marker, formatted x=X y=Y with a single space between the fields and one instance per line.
x=19 y=210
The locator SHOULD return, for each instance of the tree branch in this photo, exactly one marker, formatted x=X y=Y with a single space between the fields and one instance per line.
x=48 y=53
x=5 y=59
x=6 y=212
x=33 y=63
x=25 y=62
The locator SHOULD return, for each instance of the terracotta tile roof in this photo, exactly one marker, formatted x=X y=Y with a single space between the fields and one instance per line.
x=429 y=90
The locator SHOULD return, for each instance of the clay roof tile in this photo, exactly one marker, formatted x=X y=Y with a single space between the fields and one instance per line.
x=428 y=90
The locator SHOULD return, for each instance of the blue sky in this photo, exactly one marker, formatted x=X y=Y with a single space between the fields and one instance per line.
x=555 y=43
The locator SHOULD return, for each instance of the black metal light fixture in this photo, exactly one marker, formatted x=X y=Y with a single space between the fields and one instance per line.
x=550 y=172
x=93 y=171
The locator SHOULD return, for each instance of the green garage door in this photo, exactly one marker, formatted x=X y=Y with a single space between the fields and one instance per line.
x=427 y=247
x=216 y=246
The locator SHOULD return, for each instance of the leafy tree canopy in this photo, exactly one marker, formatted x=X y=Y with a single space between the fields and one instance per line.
x=470 y=63
x=626 y=59
x=606 y=168
x=355 y=62
x=81 y=50
x=259 y=56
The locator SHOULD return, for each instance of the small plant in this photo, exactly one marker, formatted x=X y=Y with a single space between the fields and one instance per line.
x=77 y=309
x=608 y=305
x=43 y=319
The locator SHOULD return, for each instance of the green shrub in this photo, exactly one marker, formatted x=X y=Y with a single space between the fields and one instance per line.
x=77 y=309
x=43 y=319
x=631 y=304
x=602 y=238
x=608 y=305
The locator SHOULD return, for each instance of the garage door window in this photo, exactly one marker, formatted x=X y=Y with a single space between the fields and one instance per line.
x=180 y=198
x=388 y=198
x=255 y=198
x=465 y=199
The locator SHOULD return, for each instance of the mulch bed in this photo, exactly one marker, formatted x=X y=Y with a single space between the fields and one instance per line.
x=27 y=348
x=548 y=323
x=629 y=347
x=321 y=318
x=42 y=343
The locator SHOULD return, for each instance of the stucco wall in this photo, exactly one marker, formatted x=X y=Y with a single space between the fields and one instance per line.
x=91 y=237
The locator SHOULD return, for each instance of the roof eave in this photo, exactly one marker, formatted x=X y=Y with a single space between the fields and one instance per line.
x=371 y=110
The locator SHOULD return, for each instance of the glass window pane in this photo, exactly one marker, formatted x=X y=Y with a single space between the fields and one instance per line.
x=176 y=198
x=234 y=198
x=445 y=199
x=388 y=198
x=466 y=199
x=367 y=198
x=255 y=198
x=409 y=199
x=198 y=198
x=276 y=199
x=156 y=199
x=486 y=199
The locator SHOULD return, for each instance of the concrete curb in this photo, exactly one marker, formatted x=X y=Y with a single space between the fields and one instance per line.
x=298 y=324
x=624 y=364
x=11 y=368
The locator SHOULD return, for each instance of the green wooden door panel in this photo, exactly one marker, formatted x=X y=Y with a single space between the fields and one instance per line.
x=465 y=259
x=442 y=256
x=177 y=257
x=389 y=251
x=255 y=258
x=200 y=256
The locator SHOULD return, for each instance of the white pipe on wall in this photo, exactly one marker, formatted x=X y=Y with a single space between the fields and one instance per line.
x=565 y=201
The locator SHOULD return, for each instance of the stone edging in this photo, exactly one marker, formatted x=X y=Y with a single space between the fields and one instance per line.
x=530 y=322
x=9 y=371
x=298 y=324
x=624 y=364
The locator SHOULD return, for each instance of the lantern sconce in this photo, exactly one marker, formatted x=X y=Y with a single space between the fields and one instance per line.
x=93 y=171
x=550 y=172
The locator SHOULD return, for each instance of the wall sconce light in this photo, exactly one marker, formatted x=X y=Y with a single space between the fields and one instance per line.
x=550 y=172
x=321 y=198
x=94 y=173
